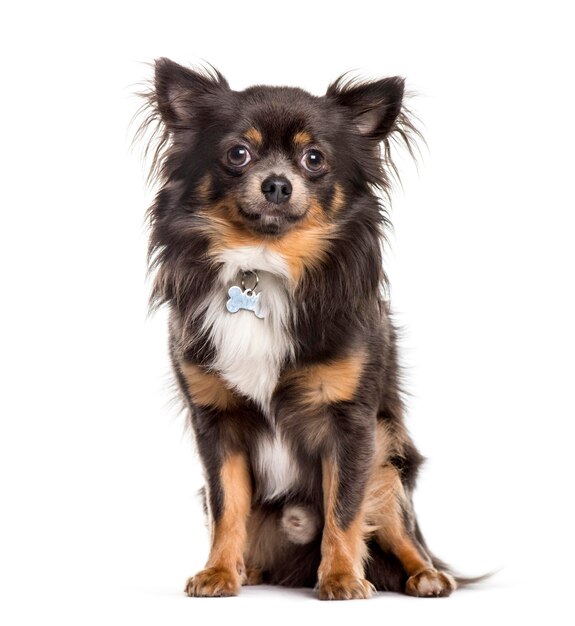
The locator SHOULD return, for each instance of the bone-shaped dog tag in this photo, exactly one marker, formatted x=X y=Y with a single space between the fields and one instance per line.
x=246 y=299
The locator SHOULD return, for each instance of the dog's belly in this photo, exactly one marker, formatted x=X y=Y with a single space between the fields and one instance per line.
x=275 y=469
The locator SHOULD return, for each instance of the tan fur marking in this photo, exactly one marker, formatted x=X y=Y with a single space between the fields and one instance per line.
x=207 y=389
x=302 y=138
x=204 y=188
x=408 y=554
x=253 y=576
x=338 y=199
x=225 y=568
x=254 y=136
x=383 y=511
x=334 y=381
x=265 y=545
x=304 y=246
x=229 y=534
x=343 y=552
x=224 y=229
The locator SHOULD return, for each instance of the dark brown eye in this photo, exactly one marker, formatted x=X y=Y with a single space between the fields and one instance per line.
x=238 y=156
x=313 y=160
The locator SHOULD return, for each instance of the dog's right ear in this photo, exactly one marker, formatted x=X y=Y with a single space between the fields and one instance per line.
x=179 y=90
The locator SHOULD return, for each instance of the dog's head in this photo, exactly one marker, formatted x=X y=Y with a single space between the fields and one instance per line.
x=271 y=159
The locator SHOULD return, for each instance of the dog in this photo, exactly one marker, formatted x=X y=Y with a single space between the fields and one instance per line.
x=266 y=239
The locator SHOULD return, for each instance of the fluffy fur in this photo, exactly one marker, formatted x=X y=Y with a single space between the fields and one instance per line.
x=298 y=416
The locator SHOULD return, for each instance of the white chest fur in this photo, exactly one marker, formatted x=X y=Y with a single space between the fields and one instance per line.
x=275 y=467
x=249 y=350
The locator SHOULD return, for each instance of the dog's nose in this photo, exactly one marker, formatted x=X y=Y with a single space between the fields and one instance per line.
x=276 y=189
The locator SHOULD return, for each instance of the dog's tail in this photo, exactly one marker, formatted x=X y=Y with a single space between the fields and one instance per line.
x=462 y=581
x=387 y=573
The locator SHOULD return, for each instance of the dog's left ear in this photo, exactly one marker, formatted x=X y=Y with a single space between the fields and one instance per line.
x=373 y=106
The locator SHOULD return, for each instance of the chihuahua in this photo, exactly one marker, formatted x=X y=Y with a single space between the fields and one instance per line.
x=266 y=239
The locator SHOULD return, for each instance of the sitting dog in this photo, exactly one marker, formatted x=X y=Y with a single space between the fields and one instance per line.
x=266 y=242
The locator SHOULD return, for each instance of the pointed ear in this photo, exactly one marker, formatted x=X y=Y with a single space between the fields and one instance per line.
x=178 y=90
x=372 y=106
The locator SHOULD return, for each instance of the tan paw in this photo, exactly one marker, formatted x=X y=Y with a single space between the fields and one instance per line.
x=430 y=584
x=252 y=576
x=213 y=582
x=344 y=587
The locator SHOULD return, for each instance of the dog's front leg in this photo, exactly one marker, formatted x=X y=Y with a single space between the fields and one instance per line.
x=224 y=570
x=229 y=484
x=343 y=549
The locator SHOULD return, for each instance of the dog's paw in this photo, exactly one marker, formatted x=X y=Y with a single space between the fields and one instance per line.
x=213 y=582
x=252 y=576
x=430 y=584
x=344 y=587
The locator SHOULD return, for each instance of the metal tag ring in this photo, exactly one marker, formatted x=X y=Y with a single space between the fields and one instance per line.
x=249 y=290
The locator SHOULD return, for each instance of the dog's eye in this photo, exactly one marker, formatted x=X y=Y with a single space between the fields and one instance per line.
x=313 y=161
x=238 y=156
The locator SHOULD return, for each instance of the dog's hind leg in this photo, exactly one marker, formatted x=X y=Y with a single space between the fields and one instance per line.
x=392 y=523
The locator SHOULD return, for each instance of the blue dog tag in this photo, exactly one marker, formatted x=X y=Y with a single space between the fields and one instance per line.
x=247 y=300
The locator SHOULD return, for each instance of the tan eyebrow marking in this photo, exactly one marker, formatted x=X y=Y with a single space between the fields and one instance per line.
x=254 y=135
x=301 y=138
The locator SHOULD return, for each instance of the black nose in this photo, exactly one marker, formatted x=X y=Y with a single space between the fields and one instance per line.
x=276 y=189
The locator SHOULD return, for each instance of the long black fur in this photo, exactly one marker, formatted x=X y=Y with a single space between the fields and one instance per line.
x=339 y=304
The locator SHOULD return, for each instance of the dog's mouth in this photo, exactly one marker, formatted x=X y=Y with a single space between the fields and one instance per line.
x=269 y=219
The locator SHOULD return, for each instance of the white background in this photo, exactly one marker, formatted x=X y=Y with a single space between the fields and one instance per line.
x=100 y=522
